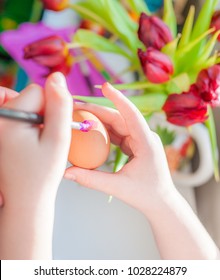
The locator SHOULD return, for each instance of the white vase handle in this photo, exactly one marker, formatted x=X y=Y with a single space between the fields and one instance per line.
x=205 y=169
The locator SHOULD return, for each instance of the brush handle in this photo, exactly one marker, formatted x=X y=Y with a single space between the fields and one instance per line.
x=21 y=116
x=31 y=117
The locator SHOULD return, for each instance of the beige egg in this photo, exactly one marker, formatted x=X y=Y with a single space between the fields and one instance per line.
x=89 y=149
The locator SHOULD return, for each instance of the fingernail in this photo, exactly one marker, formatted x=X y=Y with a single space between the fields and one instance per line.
x=59 y=79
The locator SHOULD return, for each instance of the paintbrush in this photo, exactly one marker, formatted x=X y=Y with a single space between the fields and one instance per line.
x=34 y=118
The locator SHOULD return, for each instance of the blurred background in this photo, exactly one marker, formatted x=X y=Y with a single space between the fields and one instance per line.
x=87 y=225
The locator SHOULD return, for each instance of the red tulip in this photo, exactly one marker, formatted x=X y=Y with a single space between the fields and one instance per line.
x=215 y=22
x=153 y=32
x=55 y=5
x=156 y=65
x=208 y=83
x=185 y=109
x=63 y=67
x=50 y=51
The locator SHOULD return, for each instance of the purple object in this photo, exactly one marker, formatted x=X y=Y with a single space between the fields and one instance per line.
x=15 y=40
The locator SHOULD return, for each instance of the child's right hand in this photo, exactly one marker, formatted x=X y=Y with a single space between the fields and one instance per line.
x=146 y=177
x=5 y=95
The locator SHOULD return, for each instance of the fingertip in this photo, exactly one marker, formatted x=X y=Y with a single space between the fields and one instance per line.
x=110 y=92
x=58 y=108
x=106 y=87
x=57 y=89
x=58 y=79
x=69 y=176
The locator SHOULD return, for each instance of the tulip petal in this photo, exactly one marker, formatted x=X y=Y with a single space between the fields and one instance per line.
x=156 y=75
x=27 y=33
x=185 y=109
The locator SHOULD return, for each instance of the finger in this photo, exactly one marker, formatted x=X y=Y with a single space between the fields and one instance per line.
x=1 y=200
x=6 y=94
x=94 y=179
x=58 y=109
x=30 y=99
x=135 y=122
x=109 y=117
x=105 y=114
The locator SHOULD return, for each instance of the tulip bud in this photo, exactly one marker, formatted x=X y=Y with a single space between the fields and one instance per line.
x=215 y=22
x=49 y=52
x=63 y=67
x=156 y=65
x=208 y=83
x=153 y=32
x=186 y=108
x=55 y=5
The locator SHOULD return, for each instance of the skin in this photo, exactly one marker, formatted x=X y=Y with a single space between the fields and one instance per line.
x=5 y=95
x=145 y=182
x=32 y=164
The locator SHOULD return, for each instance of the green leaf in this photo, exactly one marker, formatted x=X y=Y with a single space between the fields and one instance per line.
x=167 y=136
x=185 y=57
x=170 y=48
x=210 y=124
x=141 y=85
x=111 y=15
x=151 y=102
x=178 y=84
x=89 y=39
x=208 y=48
x=204 y=18
x=120 y=160
x=189 y=47
x=138 y=6
x=124 y=26
x=169 y=16
x=187 y=28
x=94 y=11
x=150 y=87
x=202 y=24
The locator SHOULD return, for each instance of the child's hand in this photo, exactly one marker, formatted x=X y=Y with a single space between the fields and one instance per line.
x=146 y=177
x=32 y=162
x=5 y=95
x=33 y=159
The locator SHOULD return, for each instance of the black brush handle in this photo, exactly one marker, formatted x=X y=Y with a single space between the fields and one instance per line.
x=21 y=116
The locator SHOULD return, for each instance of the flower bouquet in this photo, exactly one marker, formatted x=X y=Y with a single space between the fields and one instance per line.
x=177 y=73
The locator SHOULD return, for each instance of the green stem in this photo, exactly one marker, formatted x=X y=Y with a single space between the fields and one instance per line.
x=137 y=86
x=92 y=15
x=210 y=124
x=73 y=46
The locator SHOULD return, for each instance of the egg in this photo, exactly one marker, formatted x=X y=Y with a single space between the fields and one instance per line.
x=89 y=149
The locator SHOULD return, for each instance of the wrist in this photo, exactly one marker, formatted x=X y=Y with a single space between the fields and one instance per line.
x=29 y=198
x=161 y=202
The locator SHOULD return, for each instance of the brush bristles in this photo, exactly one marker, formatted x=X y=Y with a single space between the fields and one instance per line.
x=88 y=125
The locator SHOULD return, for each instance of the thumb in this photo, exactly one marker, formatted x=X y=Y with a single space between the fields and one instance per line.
x=108 y=183
x=58 y=108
